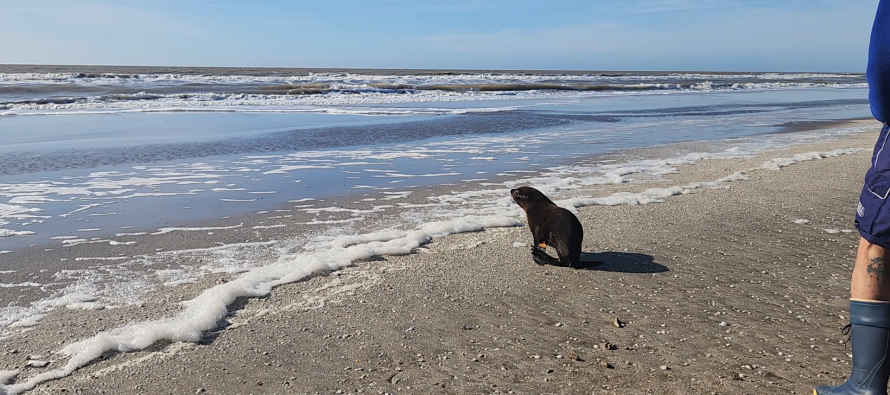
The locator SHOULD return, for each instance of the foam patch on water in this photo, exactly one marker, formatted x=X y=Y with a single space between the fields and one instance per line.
x=10 y=233
x=199 y=229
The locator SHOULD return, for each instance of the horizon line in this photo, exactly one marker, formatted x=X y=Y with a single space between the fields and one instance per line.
x=419 y=69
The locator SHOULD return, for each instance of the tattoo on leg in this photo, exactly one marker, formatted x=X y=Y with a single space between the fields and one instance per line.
x=878 y=269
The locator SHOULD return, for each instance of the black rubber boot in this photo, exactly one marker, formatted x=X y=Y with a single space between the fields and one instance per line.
x=870 y=335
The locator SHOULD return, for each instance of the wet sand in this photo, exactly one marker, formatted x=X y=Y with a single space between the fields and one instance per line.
x=720 y=290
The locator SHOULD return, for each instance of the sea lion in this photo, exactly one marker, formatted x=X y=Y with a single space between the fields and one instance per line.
x=551 y=225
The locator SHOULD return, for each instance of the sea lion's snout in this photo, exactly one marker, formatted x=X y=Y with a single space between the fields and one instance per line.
x=518 y=196
x=513 y=193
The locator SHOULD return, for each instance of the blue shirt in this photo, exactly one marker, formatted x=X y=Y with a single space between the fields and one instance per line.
x=878 y=72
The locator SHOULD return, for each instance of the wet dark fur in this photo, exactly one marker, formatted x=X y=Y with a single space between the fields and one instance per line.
x=550 y=224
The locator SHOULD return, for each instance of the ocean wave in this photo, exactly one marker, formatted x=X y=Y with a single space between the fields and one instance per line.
x=329 y=98
x=409 y=80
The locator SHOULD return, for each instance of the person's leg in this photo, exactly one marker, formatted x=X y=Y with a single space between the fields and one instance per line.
x=871 y=274
x=869 y=325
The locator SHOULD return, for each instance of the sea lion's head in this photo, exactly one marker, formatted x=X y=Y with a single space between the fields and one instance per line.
x=526 y=197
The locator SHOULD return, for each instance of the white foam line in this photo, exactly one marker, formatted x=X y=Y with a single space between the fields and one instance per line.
x=238 y=200
x=339 y=210
x=420 y=154
x=130 y=234
x=204 y=312
x=86 y=207
x=74 y=242
x=168 y=230
x=102 y=258
x=269 y=226
x=9 y=233
x=418 y=205
x=400 y=175
x=30 y=199
x=220 y=247
x=651 y=195
x=371 y=187
x=507 y=173
x=778 y=163
x=282 y=169
x=332 y=222
x=657 y=195
x=141 y=194
x=28 y=284
x=90 y=230
x=227 y=189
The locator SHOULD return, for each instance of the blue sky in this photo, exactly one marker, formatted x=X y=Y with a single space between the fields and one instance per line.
x=703 y=35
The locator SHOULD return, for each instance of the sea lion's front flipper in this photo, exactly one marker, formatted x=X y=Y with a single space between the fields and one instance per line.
x=542 y=258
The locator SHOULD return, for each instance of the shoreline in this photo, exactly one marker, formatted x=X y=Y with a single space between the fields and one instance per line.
x=443 y=319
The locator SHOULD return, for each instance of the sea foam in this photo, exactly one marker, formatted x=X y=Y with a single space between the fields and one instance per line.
x=205 y=312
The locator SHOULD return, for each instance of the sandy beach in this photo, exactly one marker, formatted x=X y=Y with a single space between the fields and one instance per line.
x=736 y=289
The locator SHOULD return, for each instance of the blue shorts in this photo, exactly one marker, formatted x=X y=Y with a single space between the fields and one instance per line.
x=872 y=214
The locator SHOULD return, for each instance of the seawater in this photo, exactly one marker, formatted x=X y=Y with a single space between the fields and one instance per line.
x=351 y=165
x=57 y=170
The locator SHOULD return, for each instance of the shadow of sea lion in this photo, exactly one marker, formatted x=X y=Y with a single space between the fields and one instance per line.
x=623 y=262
